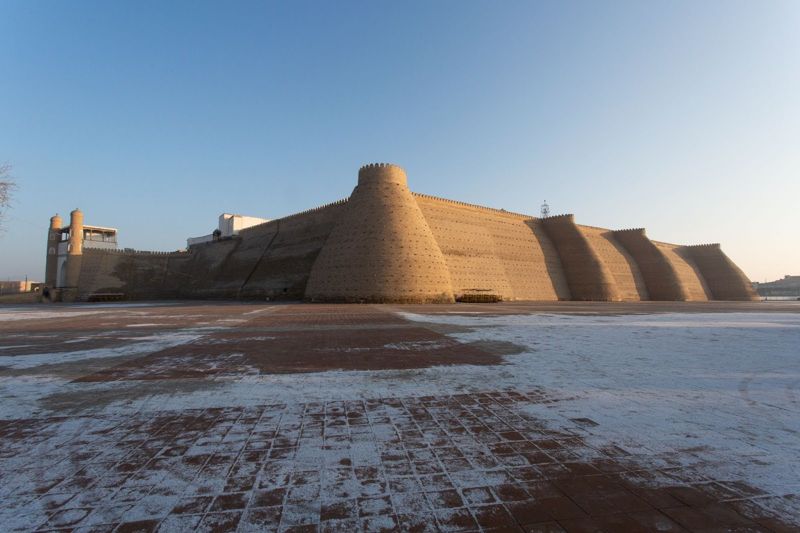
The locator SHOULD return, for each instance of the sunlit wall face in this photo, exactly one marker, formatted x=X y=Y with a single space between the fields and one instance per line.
x=154 y=119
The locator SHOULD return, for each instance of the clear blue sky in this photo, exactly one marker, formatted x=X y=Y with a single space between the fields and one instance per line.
x=154 y=117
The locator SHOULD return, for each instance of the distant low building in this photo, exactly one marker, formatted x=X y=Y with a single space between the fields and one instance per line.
x=18 y=287
x=228 y=226
x=786 y=287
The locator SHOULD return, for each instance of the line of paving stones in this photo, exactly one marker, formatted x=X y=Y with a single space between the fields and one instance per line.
x=472 y=462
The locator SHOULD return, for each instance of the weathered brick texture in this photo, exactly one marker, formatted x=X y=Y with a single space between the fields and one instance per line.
x=623 y=268
x=588 y=277
x=137 y=275
x=659 y=274
x=689 y=275
x=494 y=251
x=725 y=280
x=382 y=249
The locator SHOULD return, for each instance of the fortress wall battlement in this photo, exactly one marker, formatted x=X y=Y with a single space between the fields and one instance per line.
x=552 y=267
x=599 y=228
x=474 y=206
x=382 y=249
x=272 y=260
x=689 y=276
x=137 y=275
x=387 y=244
x=710 y=245
x=564 y=216
x=130 y=251
x=494 y=251
x=97 y=273
x=284 y=266
x=200 y=277
x=640 y=231
x=724 y=279
x=659 y=274
x=587 y=275
x=383 y=172
x=627 y=276
x=273 y=222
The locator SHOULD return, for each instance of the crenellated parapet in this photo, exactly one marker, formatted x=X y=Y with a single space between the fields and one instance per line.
x=132 y=252
x=709 y=246
x=370 y=167
x=385 y=173
x=472 y=206
x=277 y=221
x=316 y=209
x=569 y=217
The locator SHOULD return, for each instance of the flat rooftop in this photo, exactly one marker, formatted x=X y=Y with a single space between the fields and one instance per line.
x=563 y=416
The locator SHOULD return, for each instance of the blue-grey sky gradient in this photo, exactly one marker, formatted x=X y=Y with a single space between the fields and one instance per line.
x=155 y=117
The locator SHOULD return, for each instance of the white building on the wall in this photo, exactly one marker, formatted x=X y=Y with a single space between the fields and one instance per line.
x=228 y=226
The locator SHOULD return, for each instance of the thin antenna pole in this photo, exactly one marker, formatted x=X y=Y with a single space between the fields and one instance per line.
x=545 y=210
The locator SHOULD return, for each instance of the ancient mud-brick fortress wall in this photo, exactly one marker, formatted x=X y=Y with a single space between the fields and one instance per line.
x=490 y=250
x=137 y=275
x=690 y=278
x=387 y=244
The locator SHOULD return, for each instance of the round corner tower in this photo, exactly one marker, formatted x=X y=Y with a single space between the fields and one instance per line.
x=382 y=249
x=51 y=260
x=75 y=232
x=74 y=249
x=382 y=173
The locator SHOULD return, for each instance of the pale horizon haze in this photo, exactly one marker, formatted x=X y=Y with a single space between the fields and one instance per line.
x=155 y=117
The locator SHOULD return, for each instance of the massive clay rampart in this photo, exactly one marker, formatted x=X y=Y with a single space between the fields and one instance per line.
x=588 y=277
x=382 y=248
x=387 y=244
x=659 y=274
x=725 y=280
x=137 y=275
x=623 y=268
x=691 y=280
x=494 y=251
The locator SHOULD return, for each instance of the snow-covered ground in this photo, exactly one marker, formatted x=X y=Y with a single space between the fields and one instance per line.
x=719 y=393
x=725 y=386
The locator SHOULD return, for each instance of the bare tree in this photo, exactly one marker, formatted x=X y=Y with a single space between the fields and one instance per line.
x=7 y=186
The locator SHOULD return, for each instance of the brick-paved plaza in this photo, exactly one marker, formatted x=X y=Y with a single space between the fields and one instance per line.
x=502 y=417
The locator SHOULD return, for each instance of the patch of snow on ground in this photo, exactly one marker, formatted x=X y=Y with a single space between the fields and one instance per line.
x=415 y=346
x=19 y=393
x=727 y=385
x=153 y=344
x=722 y=385
x=7 y=315
x=722 y=389
x=122 y=305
